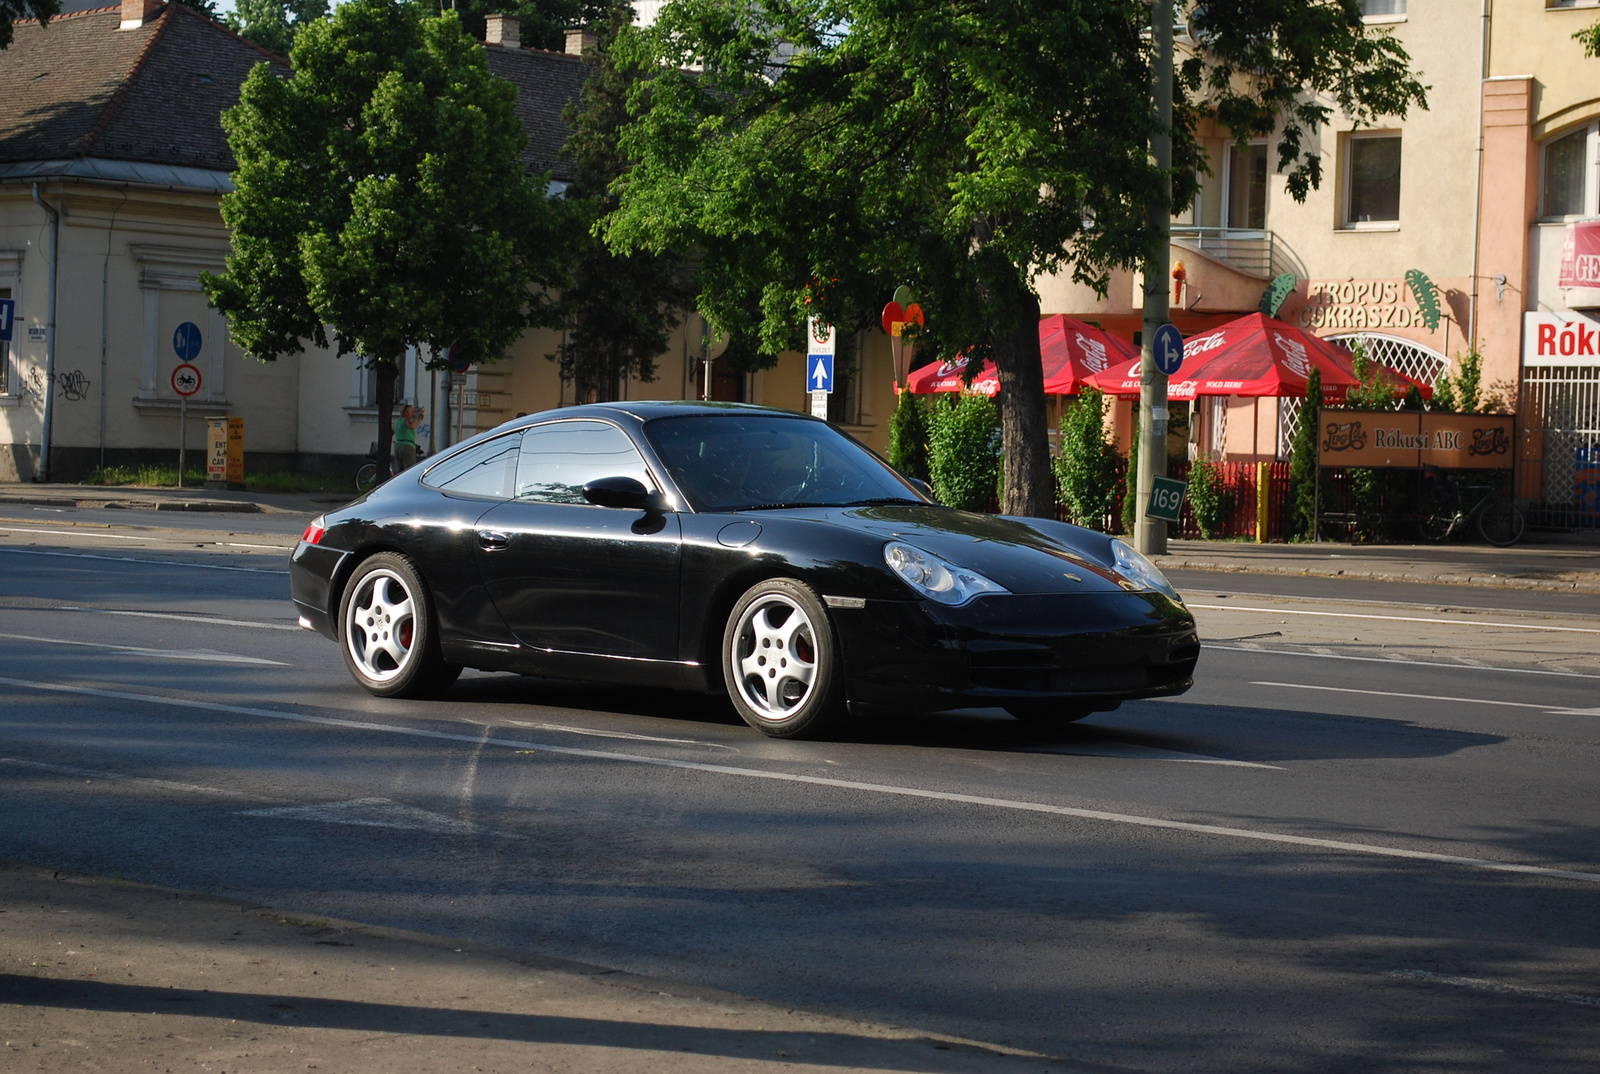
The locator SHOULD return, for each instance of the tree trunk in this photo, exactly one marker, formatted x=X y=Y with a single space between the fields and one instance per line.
x=388 y=371
x=1029 y=484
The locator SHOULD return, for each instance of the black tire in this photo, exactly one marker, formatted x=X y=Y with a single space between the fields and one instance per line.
x=387 y=630
x=780 y=660
x=1501 y=524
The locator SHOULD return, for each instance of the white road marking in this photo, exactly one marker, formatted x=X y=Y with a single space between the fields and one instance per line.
x=1396 y=618
x=210 y=621
x=1133 y=751
x=1322 y=655
x=268 y=547
x=1564 y=710
x=593 y=732
x=141 y=562
x=201 y=655
x=370 y=813
x=823 y=781
x=77 y=533
x=1482 y=985
x=164 y=784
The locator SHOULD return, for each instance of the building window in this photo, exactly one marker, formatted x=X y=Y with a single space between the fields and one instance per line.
x=1372 y=180
x=1569 y=170
x=1245 y=177
x=1380 y=8
x=5 y=352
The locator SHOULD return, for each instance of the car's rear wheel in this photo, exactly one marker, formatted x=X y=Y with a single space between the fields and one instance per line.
x=387 y=630
x=780 y=660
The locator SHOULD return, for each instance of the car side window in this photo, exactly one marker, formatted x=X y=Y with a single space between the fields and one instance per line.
x=560 y=457
x=486 y=469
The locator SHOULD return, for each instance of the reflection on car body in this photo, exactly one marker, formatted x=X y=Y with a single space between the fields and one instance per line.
x=709 y=547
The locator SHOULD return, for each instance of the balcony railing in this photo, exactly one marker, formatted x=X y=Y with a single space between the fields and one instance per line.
x=1253 y=252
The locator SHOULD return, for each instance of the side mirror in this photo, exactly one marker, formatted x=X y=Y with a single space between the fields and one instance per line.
x=921 y=486
x=624 y=492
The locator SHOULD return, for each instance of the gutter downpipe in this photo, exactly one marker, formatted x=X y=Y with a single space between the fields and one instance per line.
x=50 y=339
x=1477 y=200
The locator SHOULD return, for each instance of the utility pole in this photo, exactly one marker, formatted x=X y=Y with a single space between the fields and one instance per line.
x=1150 y=534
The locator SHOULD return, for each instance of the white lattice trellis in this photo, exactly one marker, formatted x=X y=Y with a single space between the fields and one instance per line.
x=1403 y=355
x=1288 y=424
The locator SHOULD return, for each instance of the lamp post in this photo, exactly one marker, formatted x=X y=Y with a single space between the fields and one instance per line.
x=1150 y=534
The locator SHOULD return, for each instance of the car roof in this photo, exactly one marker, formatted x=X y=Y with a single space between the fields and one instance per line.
x=646 y=409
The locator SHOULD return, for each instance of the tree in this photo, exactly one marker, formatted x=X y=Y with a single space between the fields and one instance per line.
x=379 y=193
x=273 y=24
x=544 y=23
x=908 y=437
x=1590 y=36
x=1089 y=468
x=12 y=10
x=963 y=148
x=963 y=452
x=621 y=308
x=1303 y=474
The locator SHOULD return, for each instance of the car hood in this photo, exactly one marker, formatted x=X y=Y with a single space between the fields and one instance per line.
x=1026 y=556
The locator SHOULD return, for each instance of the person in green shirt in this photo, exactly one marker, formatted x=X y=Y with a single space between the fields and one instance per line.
x=405 y=435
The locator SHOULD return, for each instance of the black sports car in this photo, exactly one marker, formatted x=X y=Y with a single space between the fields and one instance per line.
x=705 y=546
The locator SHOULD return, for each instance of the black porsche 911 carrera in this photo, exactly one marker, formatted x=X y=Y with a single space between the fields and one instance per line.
x=721 y=546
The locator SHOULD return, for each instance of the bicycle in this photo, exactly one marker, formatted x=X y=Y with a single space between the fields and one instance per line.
x=367 y=474
x=1498 y=521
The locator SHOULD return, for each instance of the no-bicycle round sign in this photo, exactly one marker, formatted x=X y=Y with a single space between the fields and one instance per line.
x=186 y=380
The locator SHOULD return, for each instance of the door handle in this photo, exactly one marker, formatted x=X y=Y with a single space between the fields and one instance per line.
x=492 y=540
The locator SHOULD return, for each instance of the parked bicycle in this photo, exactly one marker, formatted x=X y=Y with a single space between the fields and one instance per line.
x=1457 y=506
x=369 y=475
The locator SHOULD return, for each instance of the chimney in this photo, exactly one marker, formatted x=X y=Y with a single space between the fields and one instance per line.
x=579 y=40
x=504 y=30
x=135 y=13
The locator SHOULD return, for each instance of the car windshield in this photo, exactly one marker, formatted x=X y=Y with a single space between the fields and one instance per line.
x=732 y=462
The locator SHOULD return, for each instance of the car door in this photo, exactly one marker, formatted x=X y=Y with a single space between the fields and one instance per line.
x=572 y=578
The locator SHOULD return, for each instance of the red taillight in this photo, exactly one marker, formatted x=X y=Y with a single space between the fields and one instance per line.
x=314 y=531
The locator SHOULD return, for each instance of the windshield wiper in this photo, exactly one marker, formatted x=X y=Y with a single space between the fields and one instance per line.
x=776 y=506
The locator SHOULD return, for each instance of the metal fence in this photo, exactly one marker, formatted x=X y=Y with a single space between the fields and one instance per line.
x=1559 y=460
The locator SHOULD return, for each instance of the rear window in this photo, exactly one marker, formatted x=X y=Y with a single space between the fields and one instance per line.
x=486 y=469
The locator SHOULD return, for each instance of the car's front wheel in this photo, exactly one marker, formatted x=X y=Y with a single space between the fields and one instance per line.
x=387 y=629
x=780 y=660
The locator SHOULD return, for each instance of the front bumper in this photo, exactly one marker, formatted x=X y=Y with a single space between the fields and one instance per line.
x=1093 y=650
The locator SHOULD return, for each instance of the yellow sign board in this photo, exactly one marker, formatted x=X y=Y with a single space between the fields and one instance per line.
x=1411 y=438
x=225 y=452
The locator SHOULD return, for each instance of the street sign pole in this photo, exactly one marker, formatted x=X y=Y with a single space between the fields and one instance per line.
x=183 y=433
x=186 y=381
x=1150 y=534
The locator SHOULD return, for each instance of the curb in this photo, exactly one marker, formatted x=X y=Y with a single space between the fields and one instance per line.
x=235 y=507
x=1586 y=582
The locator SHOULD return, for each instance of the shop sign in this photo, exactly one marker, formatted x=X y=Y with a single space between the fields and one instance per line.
x=1373 y=305
x=1566 y=338
x=1408 y=439
x=1580 y=255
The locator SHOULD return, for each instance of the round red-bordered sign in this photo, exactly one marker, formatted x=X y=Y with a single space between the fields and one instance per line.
x=186 y=379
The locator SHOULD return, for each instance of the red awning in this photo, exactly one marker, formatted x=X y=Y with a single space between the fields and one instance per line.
x=1253 y=355
x=1072 y=352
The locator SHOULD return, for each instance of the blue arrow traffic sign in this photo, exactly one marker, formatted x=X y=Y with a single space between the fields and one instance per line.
x=819 y=376
x=8 y=317
x=1168 y=348
x=186 y=341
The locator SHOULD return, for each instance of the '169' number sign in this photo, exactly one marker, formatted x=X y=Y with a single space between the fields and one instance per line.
x=1166 y=499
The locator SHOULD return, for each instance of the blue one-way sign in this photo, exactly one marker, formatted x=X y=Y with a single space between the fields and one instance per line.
x=819 y=375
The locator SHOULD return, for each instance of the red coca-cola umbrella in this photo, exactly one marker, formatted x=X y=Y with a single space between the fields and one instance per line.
x=1072 y=352
x=1253 y=355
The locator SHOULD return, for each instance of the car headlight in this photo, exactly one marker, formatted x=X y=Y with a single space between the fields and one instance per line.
x=1140 y=571
x=935 y=579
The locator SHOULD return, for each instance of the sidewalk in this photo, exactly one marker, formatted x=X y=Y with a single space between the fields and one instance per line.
x=127 y=497
x=109 y=975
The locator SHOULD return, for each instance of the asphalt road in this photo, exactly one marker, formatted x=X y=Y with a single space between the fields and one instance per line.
x=1365 y=840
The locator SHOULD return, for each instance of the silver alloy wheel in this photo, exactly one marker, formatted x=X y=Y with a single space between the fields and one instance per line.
x=380 y=625
x=775 y=650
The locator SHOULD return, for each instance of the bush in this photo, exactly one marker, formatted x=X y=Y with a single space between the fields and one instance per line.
x=1461 y=392
x=1130 y=482
x=908 y=437
x=963 y=451
x=1209 y=498
x=1089 y=469
x=1303 y=463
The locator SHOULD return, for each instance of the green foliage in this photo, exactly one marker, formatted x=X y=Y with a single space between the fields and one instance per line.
x=1130 y=479
x=1089 y=468
x=963 y=451
x=1303 y=474
x=380 y=193
x=1590 y=36
x=908 y=437
x=621 y=308
x=273 y=24
x=962 y=149
x=1378 y=389
x=11 y=10
x=1209 y=498
x=1461 y=391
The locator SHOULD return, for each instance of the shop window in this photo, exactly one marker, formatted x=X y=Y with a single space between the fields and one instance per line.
x=1246 y=181
x=1372 y=180
x=1569 y=174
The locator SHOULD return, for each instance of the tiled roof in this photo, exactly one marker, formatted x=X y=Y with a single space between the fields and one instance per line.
x=545 y=82
x=80 y=87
